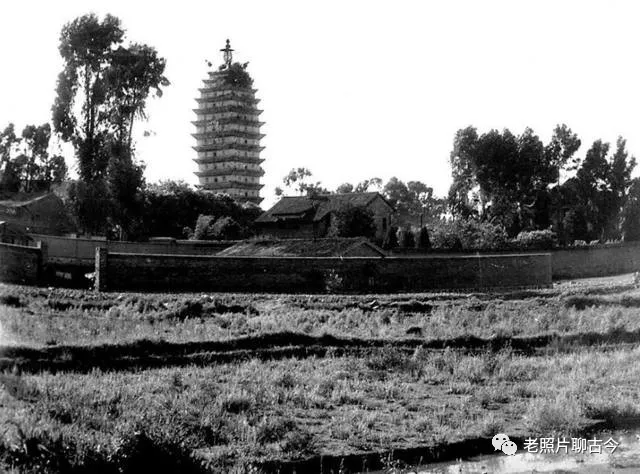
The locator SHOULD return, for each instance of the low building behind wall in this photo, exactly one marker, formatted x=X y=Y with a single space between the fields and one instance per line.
x=292 y=274
x=81 y=251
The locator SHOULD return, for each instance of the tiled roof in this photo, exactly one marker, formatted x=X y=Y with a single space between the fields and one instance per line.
x=315 y=208
x=330 y=247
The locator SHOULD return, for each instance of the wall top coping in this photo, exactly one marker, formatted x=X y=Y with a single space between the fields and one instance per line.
x=21 y=247
x=373 y=259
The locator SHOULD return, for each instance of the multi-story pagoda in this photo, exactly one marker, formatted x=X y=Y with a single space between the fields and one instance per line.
x=228 y=133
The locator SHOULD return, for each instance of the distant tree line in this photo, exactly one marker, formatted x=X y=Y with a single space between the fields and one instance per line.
x=26 y=164
x=516 y=182
x=511 y=191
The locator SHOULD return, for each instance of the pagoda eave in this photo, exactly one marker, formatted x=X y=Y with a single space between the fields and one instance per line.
x=234 y=184
x=229 y=146
x=231 y=172
x=231 y=121
x=239 y=159
x=227 y=109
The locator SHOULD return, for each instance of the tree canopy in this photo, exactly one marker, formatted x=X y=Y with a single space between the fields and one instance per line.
x=102 y=90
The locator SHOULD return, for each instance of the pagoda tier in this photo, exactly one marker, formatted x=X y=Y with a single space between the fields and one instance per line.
x=225 y=186
x=237 y=109
x=226 y=96
x=231 y=122
x=239 y=159
x=236 y=171
x=228 y=133
x=238 y=147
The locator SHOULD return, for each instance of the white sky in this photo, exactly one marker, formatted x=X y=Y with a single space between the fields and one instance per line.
x=356 y=89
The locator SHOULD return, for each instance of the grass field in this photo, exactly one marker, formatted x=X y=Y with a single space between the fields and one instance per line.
x=253 y=383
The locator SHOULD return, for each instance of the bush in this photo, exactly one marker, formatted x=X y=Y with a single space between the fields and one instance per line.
x=468 y=235
x=391 y=239
x=407 y=239
x=536 y=240
x=226 y=228
x=353 y=221
x=424 y=242
x=203 y=230
x=170 y=207
x=208 y=228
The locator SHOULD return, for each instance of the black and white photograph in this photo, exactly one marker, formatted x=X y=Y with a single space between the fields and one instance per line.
x=304 y=237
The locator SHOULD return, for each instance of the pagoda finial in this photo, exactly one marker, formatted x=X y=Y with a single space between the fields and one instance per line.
x=228 y=56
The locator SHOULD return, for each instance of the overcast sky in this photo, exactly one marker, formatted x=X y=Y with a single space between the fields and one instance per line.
x=356 y=89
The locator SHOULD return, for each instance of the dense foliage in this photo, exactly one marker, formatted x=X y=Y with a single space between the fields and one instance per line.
x=353 y=221
x=238 y=76
x=515 y=181
x=25 y=162
x=171 y=207
x=102 y=90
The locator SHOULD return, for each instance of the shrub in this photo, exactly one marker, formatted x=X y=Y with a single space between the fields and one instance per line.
x=203 y=230
x=208 y=228
x=353 y=221
x=468 y=235
x=424 y=242
x=334 y=282
x=226 y=228
x=407 y=239
x=536 y=240
x=391 y=239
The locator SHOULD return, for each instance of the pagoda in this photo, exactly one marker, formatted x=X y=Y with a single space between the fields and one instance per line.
x=228 y=133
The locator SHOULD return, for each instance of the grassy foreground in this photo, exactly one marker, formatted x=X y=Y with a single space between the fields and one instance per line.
x=247 y=414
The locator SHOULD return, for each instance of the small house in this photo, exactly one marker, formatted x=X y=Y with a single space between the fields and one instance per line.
x=311 y=216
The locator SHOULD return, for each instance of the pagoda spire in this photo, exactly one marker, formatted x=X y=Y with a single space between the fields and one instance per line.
x=228 y=54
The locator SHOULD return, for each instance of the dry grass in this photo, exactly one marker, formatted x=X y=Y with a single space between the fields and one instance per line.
x=231 y=417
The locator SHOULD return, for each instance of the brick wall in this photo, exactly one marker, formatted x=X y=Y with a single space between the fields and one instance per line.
x=20 y=264
x=81 y=251
x=595 y=262
x=360 y=274
x=571 y=263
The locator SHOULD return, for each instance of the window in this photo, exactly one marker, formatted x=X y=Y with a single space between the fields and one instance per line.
x=384 y=224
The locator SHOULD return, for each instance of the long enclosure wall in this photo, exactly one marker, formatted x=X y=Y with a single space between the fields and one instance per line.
x=580 y=262
x=595 y=262
x=82 y=251
x=20 y=264
x=360 y=274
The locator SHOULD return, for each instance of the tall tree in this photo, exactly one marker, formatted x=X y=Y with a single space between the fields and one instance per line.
x=505 y=178
x=631 y=212
x=111 y=84
x=415 y=202
x=298 y=180
x=86 y=46
x=10 y=178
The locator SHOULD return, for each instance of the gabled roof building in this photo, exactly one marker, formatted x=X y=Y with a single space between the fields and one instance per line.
x=228 y=133
x=311 y=216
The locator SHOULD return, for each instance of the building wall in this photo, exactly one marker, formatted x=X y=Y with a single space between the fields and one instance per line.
x=20 y=264
x=292 y=231
x=81 y=251
x=199 y=273
x=382 y=215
